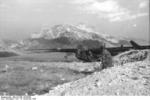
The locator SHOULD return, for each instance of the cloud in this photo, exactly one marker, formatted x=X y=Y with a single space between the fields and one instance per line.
x=94 y=5
x=107 y=9
x=143 y=4
x=128 y=16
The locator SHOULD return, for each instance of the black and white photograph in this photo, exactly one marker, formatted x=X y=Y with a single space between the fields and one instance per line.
x=74 y=48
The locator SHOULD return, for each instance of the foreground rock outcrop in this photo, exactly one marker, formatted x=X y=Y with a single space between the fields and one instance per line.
x=130 y=75
x=129 y=79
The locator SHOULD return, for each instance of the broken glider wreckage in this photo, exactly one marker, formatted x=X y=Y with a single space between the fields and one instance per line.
x=103 y=54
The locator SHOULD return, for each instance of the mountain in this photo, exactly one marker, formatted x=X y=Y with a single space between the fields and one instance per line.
x=69 y=36
x=7 y=44
x=79 y=32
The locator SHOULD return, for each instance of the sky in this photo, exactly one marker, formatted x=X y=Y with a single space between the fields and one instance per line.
x=120 y=18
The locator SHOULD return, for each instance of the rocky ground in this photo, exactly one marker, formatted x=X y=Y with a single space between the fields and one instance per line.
x=130 y=75
x=42 y=74
x=129 y=79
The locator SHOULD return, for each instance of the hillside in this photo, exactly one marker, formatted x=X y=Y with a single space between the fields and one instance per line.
x=128 y=79
x=6 y=50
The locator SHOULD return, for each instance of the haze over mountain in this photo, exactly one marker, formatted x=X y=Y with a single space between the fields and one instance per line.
x=68 y=36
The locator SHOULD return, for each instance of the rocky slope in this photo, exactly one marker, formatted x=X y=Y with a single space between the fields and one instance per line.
x=129 y=79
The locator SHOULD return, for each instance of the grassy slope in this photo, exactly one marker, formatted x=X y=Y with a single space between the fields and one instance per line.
x=38 y=73
x=26 y=77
